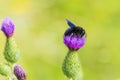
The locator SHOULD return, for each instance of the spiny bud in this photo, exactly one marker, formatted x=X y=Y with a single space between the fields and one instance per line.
x=11 y=52
x=5 y=69
x=71 y=66
x=19 y=72
x=74 y=37
x=8 y=27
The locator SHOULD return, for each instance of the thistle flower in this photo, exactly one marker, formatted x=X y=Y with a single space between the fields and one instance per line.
x=11 y=52
x=19 y=72
x=8 y=27
x=74 y=37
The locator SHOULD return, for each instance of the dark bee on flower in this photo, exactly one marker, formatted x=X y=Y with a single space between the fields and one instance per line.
x=74 y=37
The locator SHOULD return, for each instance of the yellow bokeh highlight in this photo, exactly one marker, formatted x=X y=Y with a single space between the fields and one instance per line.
x=20 y=6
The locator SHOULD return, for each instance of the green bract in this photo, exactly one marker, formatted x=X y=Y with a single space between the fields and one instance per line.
x=71 y=66
x=11 y=51
x=5 y=69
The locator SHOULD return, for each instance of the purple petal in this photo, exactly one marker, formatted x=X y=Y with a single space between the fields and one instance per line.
x=74 y=42
x=8 y=27
x=81 y=42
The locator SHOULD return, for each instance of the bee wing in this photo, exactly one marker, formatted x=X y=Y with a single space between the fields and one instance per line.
x=70 y=23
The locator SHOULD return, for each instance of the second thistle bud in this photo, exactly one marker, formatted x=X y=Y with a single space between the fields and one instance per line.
x=19 y=72
x=8 y=27
x=11 y=51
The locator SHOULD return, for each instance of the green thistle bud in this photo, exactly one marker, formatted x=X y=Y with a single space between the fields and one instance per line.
x=5 y=70
x=71 y=66
x=11 y=52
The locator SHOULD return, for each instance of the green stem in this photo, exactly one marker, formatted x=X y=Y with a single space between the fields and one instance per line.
x=71 y=66
x=11 y=77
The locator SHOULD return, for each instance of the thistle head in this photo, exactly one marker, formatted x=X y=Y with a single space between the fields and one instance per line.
x=74 y=37
x=19 y=72
x=8 y=27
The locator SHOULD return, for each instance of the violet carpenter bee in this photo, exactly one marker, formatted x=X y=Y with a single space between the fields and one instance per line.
x=74 y=30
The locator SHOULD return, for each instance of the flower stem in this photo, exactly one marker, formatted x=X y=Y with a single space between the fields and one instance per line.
x=11 y=77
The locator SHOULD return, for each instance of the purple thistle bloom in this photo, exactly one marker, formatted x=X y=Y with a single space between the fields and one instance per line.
x=19 y=72
x=74 y=37
x=8 y=27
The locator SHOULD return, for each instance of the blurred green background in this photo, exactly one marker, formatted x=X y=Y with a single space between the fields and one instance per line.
x=40 y=25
